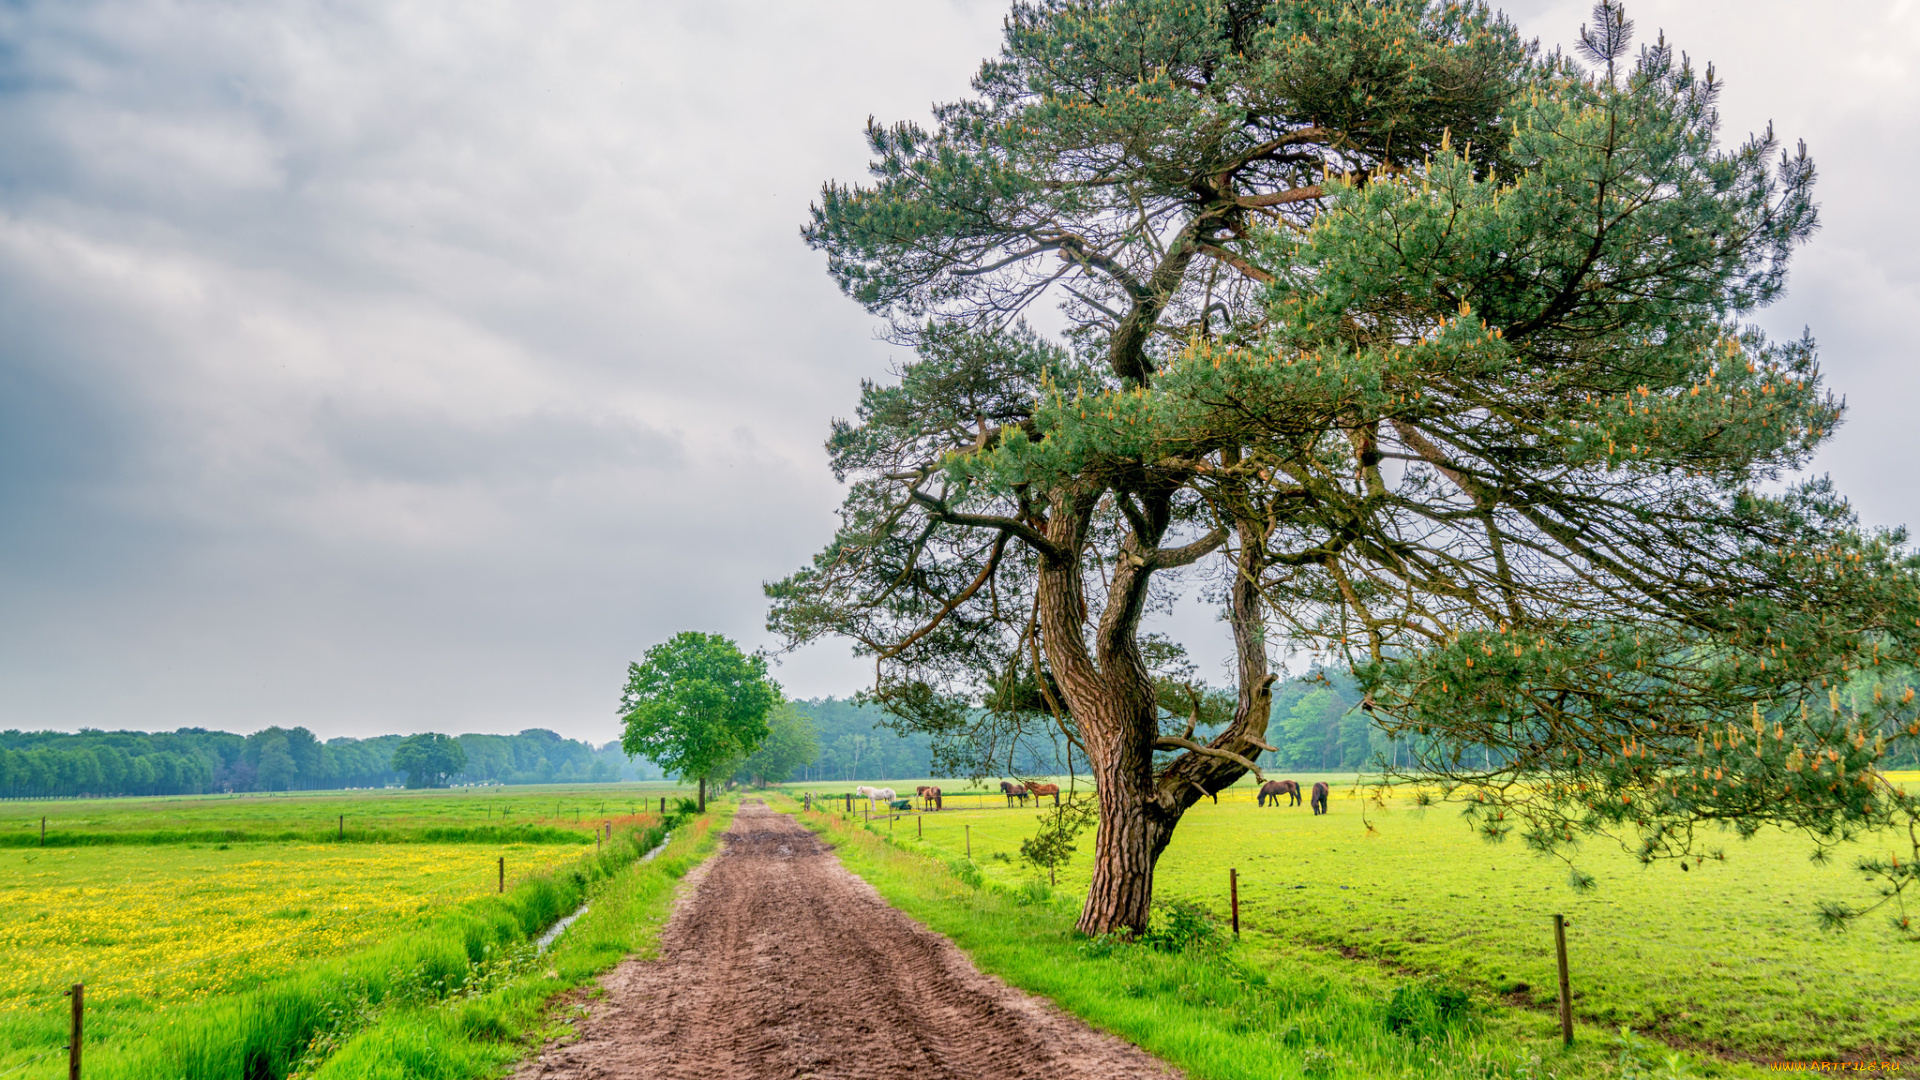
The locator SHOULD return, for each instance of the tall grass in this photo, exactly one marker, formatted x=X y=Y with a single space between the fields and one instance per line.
x=476 y=1033
x=452 y=999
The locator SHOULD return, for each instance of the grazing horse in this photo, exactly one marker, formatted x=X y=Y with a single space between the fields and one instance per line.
x=1273 y=789
x=1013 y=791
x=1039 y=790
x=929 y=796
x=883 y=796
x=1319 y=799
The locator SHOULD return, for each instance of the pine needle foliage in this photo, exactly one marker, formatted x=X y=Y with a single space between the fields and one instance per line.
x=1405 y=344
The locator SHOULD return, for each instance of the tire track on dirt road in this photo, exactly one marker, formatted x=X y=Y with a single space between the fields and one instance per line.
x=779 y=964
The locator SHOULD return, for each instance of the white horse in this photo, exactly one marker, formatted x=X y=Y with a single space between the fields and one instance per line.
x=865 y=792
x=880 y=797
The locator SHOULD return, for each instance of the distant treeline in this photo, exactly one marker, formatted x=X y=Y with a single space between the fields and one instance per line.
x=191 y=761
x=854 y=745
x=1316 y=726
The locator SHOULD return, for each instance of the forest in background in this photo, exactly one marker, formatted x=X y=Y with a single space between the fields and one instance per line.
x=194 y=761
x=1316 y=727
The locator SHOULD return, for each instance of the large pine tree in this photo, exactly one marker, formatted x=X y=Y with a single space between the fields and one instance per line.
x=1401 y=342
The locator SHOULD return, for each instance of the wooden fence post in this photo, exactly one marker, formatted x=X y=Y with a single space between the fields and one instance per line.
x=919 y=828
x=1233 y=892
x=503 y=873
x=1566 y=990
x=78 y=993
x=43 y=830
x=343 y=826
x=969 y=829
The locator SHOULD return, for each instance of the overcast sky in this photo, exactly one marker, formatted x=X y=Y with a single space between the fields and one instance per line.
x=400 y=365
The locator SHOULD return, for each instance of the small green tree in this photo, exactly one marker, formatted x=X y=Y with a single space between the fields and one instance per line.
x=1051 y=847
x=790 y=743
x=429 y=760
x=695 y=705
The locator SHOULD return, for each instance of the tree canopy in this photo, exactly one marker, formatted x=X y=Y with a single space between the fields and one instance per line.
x=695 y=705
x=429 y=760
x=1407 y=345
x=791 y=743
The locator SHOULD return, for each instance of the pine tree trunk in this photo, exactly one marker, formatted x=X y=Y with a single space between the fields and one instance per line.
x=1132 y=832
x=1110 y=695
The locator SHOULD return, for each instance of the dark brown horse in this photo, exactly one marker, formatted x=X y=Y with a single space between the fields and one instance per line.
x=1319 y=799
x=1013 y=791
x=929 y=796
x=1273 y=789
x=1039 y=791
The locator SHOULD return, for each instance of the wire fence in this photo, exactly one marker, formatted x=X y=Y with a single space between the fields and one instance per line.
x=10 y=1070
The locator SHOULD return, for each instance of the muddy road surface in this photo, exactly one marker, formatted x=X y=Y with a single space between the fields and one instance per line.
x=781 y=965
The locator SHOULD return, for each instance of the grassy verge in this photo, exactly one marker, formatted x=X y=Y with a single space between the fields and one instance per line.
x=492 y=1022
x=1261 y=1009
x=461 y=997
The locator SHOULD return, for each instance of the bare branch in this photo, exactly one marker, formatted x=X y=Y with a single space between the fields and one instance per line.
x=1237 y=263
x=1169 y=742
x=1034 y=537
x=1280 y=198
x=1168 y=558
x=986 y=573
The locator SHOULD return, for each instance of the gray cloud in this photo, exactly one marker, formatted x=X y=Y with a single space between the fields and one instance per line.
x=391 y=367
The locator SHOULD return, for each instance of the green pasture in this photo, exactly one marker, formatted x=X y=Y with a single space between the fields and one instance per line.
x=1280 y=1011
x=1725 y=957
x=448 y=815
x=274 y=959
x=956 y=794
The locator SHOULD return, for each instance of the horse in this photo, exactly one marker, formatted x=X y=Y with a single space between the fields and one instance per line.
x=1013 y=791
x=883 y=796
x=1319 y=799
x=1039 y=790
x=1273 y=789
x=929 y=796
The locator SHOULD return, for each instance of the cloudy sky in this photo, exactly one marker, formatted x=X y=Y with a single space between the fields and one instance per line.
x=394 y=365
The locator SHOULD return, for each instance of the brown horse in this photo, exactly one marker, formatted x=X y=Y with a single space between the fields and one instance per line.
x=1319 y=799
x=929 y=796
x=1273 y=789
x=1039 y=790
x=1013 y=791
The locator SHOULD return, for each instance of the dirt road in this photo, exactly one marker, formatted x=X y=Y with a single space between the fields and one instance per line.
x=781 y=965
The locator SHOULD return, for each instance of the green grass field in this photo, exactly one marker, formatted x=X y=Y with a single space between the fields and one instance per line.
x=446 y=814
x=156 y=925
x=271 y=958
x=1725 y=958
x=1279 y=1011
